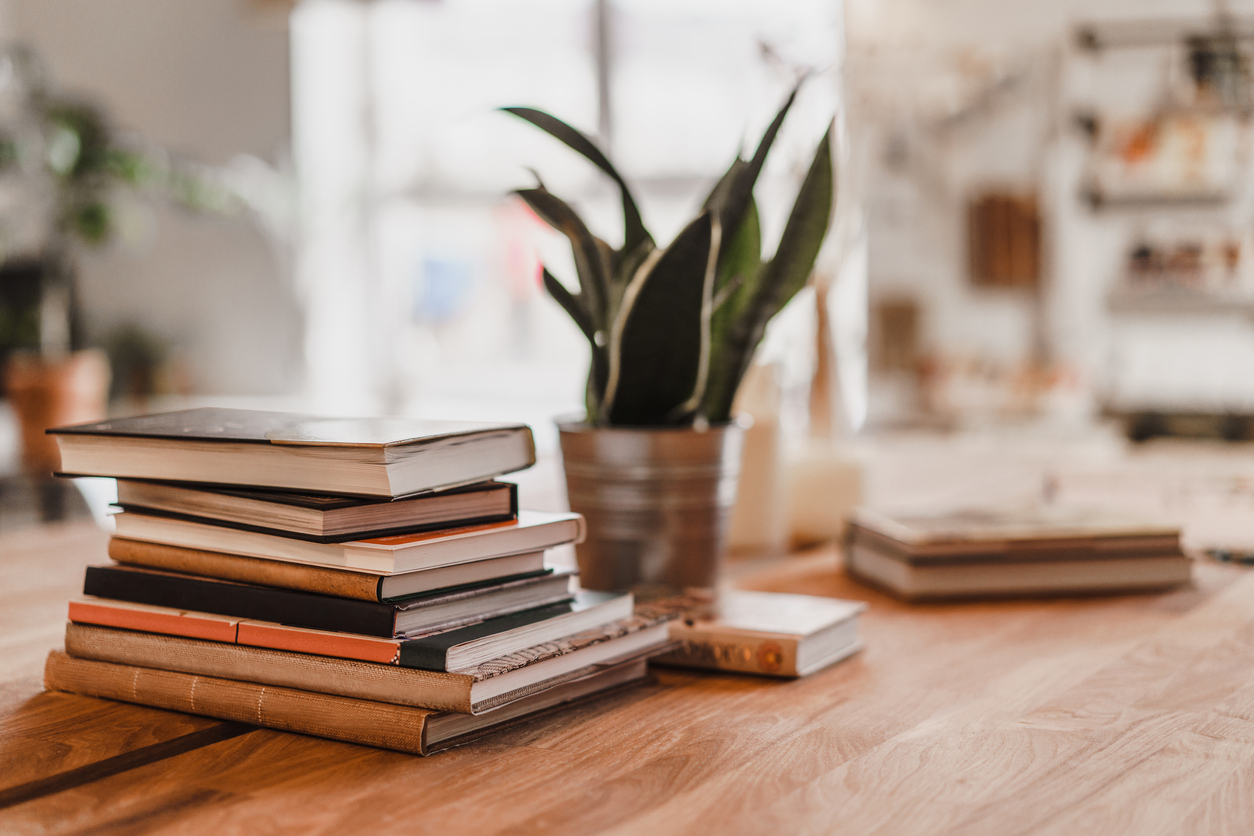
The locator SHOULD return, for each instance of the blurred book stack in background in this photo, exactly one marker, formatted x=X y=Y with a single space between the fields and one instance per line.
x=1013 y=552
x=362 y=580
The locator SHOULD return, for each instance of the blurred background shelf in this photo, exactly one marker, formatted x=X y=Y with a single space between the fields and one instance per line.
x=1128 y=301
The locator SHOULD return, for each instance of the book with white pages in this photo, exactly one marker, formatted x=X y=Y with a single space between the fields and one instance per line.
x=533 y=531
x=272 y=654
x=383 y=457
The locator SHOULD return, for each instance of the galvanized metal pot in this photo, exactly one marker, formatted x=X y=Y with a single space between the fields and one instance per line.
x=657 y=502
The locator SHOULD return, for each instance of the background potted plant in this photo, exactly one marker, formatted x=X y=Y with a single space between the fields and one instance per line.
x=653 y=465
x=61 y=171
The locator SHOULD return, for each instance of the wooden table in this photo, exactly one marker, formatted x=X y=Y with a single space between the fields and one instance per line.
x=1130 y=714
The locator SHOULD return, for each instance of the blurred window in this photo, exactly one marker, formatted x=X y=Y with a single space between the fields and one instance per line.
x=456 y=320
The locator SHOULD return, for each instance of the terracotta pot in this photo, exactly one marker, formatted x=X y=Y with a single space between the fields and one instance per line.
x=53 y=393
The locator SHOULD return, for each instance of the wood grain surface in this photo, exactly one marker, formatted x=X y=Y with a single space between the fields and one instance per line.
x=1114 y=715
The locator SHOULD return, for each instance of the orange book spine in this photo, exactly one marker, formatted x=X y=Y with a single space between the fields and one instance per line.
x=342 y=645
x=174 y=623
x=145 y=618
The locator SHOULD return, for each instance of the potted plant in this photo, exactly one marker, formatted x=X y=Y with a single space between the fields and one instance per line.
x=65 y=167
x=653 y=463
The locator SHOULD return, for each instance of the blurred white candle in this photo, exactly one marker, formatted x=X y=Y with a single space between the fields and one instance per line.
x=759 y=523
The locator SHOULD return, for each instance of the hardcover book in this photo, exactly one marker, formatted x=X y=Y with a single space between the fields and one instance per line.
x=460 y=649
x=489 y=686
x=439 y=610
x=385 y=457
x=342 y=583
x=533 y=531
x=1001 y=552
x=319 y=518
x=418 y=731
x=767 y=633
x=969 y=535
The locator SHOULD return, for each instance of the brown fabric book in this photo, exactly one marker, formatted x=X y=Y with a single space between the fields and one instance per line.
x=342 y=583
x=495 y=684
x=418 y=731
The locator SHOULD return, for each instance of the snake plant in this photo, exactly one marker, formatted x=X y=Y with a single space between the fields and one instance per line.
x=673 y=329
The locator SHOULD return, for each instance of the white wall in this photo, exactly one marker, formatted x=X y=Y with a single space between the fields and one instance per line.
x=207 y=79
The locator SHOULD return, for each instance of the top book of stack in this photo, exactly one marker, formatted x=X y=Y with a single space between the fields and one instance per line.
x=381 y=457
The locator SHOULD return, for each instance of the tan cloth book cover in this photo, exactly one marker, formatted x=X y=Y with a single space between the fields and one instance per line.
x=417 y=731
x=494 y=685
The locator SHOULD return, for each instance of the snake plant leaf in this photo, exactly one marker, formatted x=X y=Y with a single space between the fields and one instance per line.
x=734 y=286
x=589 y=260
x=743 y=254
x=739 y=190
x=718 y=195
x=571 y=303
x=626 y=266
x=659 y=346
x=612 y=260
x=741 y=322
x=627 y=263
x=790 y=268
x=633 y=227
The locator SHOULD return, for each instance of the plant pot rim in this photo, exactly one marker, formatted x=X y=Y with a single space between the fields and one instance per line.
x=577 y=424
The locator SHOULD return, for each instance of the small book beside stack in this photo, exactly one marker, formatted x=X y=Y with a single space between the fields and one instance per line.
x=1028 y=552
x=309 y=595
x=768 y=633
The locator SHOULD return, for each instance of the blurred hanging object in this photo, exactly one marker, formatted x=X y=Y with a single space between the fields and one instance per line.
x=1220 y=70
x=1004 y=239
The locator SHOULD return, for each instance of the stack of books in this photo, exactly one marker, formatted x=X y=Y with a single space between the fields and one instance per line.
x=993 y=552
x=364 y=581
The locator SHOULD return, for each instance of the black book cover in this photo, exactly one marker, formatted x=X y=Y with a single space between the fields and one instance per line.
x=431 y=652
x=264 y=603
x=238 y=600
